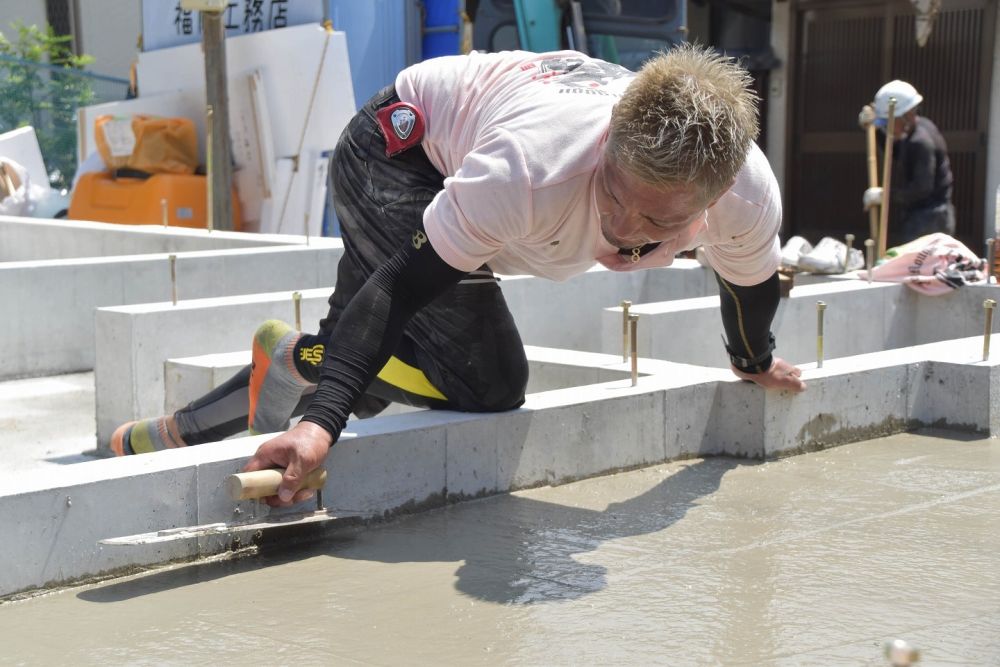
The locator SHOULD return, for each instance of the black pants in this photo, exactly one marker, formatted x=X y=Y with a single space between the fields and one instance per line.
x=465 y=341
x=918 y=222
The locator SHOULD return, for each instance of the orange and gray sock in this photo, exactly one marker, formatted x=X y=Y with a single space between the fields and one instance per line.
x=275 y=384
x=148 y=435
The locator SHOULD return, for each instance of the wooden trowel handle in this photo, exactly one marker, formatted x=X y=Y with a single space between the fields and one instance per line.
x=263 y=483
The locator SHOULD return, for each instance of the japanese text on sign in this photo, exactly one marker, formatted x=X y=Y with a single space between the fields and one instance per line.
x=183 y=26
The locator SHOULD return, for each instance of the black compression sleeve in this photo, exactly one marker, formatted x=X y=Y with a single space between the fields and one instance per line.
x=747 y=313
x=370 y=327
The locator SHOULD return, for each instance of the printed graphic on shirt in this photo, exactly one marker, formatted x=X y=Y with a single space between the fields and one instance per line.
x=579 y=75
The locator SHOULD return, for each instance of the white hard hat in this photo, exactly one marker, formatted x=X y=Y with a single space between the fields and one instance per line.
x=907 y=99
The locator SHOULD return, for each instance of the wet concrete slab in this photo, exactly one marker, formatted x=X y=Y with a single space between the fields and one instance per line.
x=813 y=559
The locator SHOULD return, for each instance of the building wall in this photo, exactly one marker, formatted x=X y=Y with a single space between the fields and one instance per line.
x=993 y=142
x=30 y=12
x=109 y=30
x=777 y=100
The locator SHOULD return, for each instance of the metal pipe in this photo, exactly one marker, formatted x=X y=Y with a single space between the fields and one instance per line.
x=869 y=258
x=633 y=323
x=173 y=278
x=849 y=242
x=990 y=258
x=988 y=306
x=820 y=309
x=625 y=306
x=297 y=300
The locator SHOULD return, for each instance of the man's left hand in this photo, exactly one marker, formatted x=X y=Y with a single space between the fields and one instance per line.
x=780 y=376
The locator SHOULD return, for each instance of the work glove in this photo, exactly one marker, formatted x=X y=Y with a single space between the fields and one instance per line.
x=872 y=197
x=866 y=117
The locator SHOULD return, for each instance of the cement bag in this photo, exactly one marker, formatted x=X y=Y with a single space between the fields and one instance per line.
x=933 y=264
x=147 y=143
x=18 y=195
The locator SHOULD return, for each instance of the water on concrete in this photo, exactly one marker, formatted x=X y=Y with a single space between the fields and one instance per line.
x=814 y=559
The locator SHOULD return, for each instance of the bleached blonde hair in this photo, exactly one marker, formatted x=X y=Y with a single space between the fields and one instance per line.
x=687 y=118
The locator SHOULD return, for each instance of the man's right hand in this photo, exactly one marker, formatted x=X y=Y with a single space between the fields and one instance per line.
x=300 y=450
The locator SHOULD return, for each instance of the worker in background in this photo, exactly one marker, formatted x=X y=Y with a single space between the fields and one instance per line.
x=519 y=163
x=920 y=193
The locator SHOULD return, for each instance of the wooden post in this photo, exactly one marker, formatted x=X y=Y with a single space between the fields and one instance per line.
x=873 y=212
x=890 y=138
x=220 y=164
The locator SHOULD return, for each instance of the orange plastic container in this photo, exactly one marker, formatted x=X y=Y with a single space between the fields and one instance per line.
x=133 y=201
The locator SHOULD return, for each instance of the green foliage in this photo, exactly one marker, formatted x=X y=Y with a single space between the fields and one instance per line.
x=43 y=87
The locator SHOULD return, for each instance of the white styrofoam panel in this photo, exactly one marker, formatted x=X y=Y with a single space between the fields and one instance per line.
x=295 y=63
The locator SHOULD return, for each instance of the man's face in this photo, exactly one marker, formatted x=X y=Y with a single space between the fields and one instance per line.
x=634 y=213
x=904 y=124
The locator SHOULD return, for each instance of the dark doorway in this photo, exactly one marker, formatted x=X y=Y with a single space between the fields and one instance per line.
x=844 y=50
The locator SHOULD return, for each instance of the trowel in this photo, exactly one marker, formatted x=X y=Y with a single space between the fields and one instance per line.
x=245 y=486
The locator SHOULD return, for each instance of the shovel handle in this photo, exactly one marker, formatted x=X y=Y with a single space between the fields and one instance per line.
x=263 y=483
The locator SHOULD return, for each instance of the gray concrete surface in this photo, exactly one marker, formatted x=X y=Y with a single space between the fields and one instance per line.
x=426 y=459
x=810 y=560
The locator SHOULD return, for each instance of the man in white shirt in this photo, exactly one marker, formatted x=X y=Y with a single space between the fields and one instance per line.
x=512 y=162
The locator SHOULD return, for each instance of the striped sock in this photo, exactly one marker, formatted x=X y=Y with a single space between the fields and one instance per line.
x=148 y=435
x=275 y=384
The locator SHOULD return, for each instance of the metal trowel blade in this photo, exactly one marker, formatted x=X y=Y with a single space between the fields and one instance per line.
x=210 y=529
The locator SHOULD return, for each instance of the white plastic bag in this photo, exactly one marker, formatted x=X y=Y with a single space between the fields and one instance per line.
x=18 y=194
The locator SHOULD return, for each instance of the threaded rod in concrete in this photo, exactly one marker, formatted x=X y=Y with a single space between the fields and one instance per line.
x=625 y=306
x=820 y=309
x=633 y=323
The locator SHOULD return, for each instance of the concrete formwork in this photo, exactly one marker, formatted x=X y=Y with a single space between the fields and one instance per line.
x=34 y=239
x=426 y=459
x=133 y=342
x=188 y=378
x=55 y=299
x=859 y=318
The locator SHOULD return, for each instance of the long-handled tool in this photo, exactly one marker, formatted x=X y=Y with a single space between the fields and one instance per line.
x=867 y=120
x=245 y=486
x=890 y=138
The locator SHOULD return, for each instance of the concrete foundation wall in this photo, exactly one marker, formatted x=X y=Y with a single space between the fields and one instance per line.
x=31 y=239
x=415 y=461
x=568 y=315
x=133 y=342
x=189 y=378
x=859 y=318
x=55 y=300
